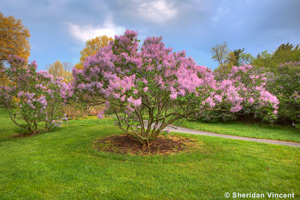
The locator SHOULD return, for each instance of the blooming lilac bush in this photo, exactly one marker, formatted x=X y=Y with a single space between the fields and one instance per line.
x=32 y=97
x=146 y=87
x=245 y=88
x=151 y=87
x=286 y=86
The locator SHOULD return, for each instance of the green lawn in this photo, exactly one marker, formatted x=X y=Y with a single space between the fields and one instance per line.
x=62 y=164
x=263 y=131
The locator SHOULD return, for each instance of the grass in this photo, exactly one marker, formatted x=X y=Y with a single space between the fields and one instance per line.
x=262 y=131
x=62 y=164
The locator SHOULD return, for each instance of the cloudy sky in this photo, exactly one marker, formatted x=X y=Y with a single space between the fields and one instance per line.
x=59 y=28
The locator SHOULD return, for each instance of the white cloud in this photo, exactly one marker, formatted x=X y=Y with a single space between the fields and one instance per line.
x=87 y=32
x=157 y=11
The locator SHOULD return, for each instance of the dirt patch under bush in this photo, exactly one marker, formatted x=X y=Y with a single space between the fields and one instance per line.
x=22 y=135
x=127 y=144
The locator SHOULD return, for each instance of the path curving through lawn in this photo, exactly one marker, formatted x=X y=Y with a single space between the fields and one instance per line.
x=198 y=132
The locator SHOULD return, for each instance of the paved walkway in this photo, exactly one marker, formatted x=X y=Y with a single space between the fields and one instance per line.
x=198 y=132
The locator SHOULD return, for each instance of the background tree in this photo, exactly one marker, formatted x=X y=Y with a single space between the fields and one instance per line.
x=285 y=47
x=220 y=53
x=284 y=53
x=14 y=38
x=227 y=59
x=56 y=69
x=237 y=55
x=59 y=69
x=91 y=48
x=231 y=59
x=67 y=66
x=246 y=58
x=67 y=72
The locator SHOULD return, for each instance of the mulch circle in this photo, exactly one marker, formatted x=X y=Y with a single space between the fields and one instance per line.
x=127 y=144
x=23 y=135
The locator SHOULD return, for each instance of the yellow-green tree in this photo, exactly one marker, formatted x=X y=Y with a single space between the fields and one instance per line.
x=67 y=72
x=91 y=47
x=226 y=66
x=59 y=69
x=14 y=38
x=56 y=69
